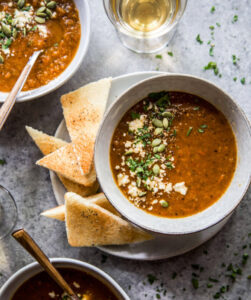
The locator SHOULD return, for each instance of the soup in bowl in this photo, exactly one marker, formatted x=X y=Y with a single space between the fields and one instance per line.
x=172 y=154
x=59 y=28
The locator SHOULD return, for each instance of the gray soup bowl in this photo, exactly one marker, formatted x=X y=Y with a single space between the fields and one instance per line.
x=16 y=280
x=241 y=179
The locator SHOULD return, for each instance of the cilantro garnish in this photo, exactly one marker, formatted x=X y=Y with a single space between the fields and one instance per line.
x=235 y=19
x=170 y=53
x=212 y=10
x=243 y=80
x=198 y=39
x=212 y=66
x=2 y=162
x=158 y=56
x=135 y=115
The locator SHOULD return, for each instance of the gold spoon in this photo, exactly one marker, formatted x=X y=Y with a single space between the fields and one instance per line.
x=11 y=99
x=30 y=246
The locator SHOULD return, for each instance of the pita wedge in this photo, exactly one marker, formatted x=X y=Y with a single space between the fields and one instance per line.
x=58 y=212
x=84 y=108
x=48 y=144
x=88 y=224
x=64 y=162
x=83 y=111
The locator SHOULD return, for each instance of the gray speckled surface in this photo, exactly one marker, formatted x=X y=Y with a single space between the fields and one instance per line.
x=31 y=185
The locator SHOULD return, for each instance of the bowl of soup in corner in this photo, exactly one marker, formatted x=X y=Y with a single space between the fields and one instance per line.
x=172 y=154
x=87 y=281
x=60 y=28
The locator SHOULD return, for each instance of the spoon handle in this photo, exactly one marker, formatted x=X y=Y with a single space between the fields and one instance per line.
x=11 y=98
x=29 y=244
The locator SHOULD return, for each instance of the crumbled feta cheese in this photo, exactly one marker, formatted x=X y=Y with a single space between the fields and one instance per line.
x=169 y=187
x=117 y=167
x=133 y=190
x=122 y=179
x=52 y=295
x=22 y=18
x=180 y=188
x=128 y=144
x=42 y=30
x=137 y=123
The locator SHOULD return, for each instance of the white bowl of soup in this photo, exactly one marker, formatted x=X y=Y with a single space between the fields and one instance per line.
x=172 y=154
x=61 y=28
x=87 y=281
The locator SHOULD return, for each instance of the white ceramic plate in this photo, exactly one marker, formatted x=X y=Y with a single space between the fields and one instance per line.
x=162 y=246
x=85 y=23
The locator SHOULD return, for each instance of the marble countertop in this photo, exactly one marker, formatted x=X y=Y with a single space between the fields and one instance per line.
x=106 y=56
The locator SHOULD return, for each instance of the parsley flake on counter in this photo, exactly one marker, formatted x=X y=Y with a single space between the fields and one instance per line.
x=2 y=162
x=170 y=53
x=151 y=278
x=198 y=39
x=159 y=56
x=211 y=50
x=211 y=27
x=195 y=283
x=212 y=66
x=212 y=10
x=235 y=79
x=218 y=24
x=243 y=80
x=235 y=19
x=235 y=59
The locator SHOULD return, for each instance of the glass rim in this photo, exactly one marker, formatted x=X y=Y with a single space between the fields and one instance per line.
x=15 y=208
x=138 y=34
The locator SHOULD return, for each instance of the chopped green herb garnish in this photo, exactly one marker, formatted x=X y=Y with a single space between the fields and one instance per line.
x=212 y=9
x=243 y=80
x=195 y=283
x=158 y=56
x=235 y=59
x=235 y=19
x=151 y=278
x=209 y=285
x=245 y=257
x=189 y=131
x=218 y=24
x=169 y=165
x=211 y=51
x=213 y=279
x=198 y=39
x=203 y=126
x=135 y=115
x=170 y=53
x=212 y=66
x=235 y=79
x=55 y=45
x=211 y=27
x=2 y=162
x=196 y=108
x=158 y=296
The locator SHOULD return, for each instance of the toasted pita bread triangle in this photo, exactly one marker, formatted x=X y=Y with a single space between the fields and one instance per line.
x=64 y=162
x=83 y=112
x=88 y=224
x=48 y=144
x=84 y=108
x=58 y=212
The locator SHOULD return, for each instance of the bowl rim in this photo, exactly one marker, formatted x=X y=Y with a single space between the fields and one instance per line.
x=99 y=175
x=63 y=77
x=68 y=262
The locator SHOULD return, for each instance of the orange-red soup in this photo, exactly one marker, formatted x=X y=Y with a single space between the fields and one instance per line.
x=42 y=287
x=58 y=36
x=173 y=154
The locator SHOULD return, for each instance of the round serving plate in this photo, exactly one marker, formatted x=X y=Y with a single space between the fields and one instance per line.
x=85 y=24
x=162 y=246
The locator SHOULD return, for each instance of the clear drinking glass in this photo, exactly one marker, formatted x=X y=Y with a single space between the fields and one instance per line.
x=145 y=26
x=8 y=212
